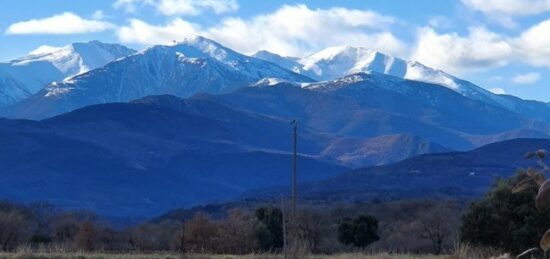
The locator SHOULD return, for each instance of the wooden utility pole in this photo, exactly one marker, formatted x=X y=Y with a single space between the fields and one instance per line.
x=294 y=160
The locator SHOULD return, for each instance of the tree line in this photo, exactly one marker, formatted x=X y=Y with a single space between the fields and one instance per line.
x=397 y=226
x=502 y=219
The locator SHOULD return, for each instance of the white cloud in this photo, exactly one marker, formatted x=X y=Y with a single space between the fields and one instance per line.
x=509 y=7
x=98 y=15
x=44 y=49
x=480 y=49
x=497 y=90
x=534 y=44
x=503 y=11
x=291 y=30
x=483 y=49
x=528 y=78
x=179 y=7
x=140 y=32
x=296 y=30
x=65 y=23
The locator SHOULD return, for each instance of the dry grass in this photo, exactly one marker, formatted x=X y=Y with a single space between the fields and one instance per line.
x=460 y=251
x=45 y=255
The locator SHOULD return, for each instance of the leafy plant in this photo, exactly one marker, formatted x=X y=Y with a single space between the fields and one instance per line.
x=542 y=199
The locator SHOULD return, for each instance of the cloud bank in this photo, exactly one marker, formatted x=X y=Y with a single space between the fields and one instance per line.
x=292 y=30
x=65 y=23
x=483 y=49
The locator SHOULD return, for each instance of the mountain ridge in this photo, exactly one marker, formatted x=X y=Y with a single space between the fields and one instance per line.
x=22 y=77
x=341 y=61
x=454 y=175
x=183 y=69
x=370 y=105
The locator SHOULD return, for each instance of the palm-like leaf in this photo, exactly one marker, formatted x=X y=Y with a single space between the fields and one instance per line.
x=533 y=178
x=545 y=241
x=542 y=201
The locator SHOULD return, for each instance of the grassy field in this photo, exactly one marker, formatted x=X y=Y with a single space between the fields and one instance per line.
x=198 y=256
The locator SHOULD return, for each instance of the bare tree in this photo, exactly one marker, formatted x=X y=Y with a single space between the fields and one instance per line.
x=65 y=229
x=311 y=228
x=200 y=234
x=12 y=225
x=237 y=233
x=437 y=224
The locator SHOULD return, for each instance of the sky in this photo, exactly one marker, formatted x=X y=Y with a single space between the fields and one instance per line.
x=501 y=45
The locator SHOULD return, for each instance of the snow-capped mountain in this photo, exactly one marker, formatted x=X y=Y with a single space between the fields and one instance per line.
x=25 y=76
x=337 y=62
x=194 y=65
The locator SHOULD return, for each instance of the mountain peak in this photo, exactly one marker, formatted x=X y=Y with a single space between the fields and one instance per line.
x=197 y=39
x=27 y=75
x=264 y=52
x=77 y=57
x=335 y=62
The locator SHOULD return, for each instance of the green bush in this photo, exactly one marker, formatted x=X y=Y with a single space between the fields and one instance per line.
x=505 y=220
x=269 y=228
x=360 y=231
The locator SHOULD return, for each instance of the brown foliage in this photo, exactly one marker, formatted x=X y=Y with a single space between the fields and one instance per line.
x=236 y=233
x=201 y=234
x=86 y=237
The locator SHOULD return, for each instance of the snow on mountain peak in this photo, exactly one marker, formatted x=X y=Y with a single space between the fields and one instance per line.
x=335 y=62
x=200 y=47
x=27 y=75
x=270 y=81
x=75 y=58
x=249 y=66
x=419 y=72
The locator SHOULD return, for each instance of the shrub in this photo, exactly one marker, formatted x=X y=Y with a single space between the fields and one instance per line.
x=505 y=220
x=269 y=228
x=359 y=232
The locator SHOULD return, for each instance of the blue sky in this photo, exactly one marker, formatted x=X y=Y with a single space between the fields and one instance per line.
x=502 y=45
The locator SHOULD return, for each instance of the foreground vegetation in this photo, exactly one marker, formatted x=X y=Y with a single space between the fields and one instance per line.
x=201 y=256
x=413 y=226
x=503 y=220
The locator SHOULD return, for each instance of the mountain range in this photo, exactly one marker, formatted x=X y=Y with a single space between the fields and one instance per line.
x=183 y=69
x=372 y=94
x=103 y=127
x=337 y=62
x=198 y=64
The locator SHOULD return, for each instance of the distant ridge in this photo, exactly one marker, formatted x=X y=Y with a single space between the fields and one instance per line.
x=457 y=175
